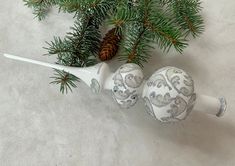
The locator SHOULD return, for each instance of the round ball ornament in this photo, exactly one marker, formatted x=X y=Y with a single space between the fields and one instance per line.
x=169 y=94
x=127 y=81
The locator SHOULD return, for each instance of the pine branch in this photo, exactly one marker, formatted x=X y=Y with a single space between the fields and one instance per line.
x=151 y=27
x=40 y=7
x=186 y=14
x=82 y=44
x=166 y=34
x=70 y=6
x=99 y=10
x=79 y=47
x=66 y=80
x=136 y=45
x=136 y=40
x=122 y=17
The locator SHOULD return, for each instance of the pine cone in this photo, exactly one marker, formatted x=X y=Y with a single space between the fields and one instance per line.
x=109 y=45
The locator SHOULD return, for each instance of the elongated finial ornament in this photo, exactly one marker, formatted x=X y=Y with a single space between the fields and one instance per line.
x=169 y=93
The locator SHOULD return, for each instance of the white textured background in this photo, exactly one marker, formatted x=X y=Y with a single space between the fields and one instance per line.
x=41 y=127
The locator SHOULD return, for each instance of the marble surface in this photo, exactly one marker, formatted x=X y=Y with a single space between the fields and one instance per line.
x=41 y=127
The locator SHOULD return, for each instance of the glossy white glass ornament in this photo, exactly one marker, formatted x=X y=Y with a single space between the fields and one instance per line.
x=168 y=94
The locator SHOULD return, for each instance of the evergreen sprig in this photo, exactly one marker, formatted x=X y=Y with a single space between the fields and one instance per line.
x=77 y=49
x=80 y=46
x=186 y=14
x=40 y=7
x=151 y=26
x=65 y=80
x=136 y=45
x=141 y=23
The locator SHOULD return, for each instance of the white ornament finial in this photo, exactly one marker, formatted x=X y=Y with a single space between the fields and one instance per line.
x=168 y=94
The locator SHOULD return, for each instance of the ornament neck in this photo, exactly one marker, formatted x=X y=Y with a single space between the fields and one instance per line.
x=211 y=105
